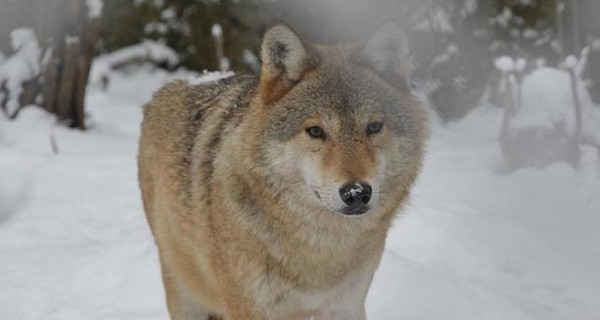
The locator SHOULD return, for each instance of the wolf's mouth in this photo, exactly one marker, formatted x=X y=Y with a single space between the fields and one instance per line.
x=355 y=211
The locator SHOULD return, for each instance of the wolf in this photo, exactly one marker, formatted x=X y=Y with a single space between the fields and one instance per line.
x=270 y=196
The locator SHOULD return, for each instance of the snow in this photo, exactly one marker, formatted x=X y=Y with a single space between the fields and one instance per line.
x=571 y=62
x=548 y=104
x=224 y=64
x=438 y=21
x=503 y=19
x=22 y=66
x=469 y=7
x=168 y=14
x=479 y=245
x=94 y=8
x=441 y=21
x=155 y=3
x=69 y=40
x=475 y=243
x=530 y=33
x=158 y=27
x=208 y=77
x=505 y=64
x=146 y=51
x=216 y=31
x=250 y=59
x=520 y=65
x=450 y=52
x=25 y=44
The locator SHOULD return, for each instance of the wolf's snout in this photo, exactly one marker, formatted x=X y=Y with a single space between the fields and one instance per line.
x=356 y=196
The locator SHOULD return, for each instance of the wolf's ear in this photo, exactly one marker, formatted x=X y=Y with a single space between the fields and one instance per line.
x=386 y=52
x=285 y=59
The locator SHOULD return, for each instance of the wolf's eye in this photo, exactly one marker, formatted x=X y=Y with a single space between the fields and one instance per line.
x=316 y=132
x=374 y=127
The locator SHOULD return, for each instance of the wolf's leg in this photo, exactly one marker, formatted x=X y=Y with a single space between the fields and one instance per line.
x=241 y=310
x=240 y=307
x=181 y=304
x=350 y=304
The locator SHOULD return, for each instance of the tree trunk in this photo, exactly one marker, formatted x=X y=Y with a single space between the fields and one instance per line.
x=577 y=105
x=68 y=37
x=569 y=27
x=575 y=30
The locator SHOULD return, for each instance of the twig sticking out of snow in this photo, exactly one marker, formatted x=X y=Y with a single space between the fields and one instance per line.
x=570 y=64
x=53 y=144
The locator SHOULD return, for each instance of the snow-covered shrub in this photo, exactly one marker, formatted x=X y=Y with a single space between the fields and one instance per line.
x=148 y=51
x=453 y=81
x=22 y=66
x=542 y=130
x=545 y=129
x=451 y=57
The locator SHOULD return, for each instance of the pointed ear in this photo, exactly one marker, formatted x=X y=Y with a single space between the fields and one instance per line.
x=285 y=60
x=386 y=52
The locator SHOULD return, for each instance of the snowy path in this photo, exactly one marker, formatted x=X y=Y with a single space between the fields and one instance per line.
x=475 y=244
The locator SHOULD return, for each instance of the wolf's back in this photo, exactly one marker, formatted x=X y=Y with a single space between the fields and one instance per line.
x=185 y=124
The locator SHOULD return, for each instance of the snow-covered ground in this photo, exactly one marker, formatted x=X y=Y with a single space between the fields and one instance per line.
x=476 y=243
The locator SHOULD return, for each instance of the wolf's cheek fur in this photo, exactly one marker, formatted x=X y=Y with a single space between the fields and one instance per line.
x=300 y=160
x=324 y=173
x=321 y=192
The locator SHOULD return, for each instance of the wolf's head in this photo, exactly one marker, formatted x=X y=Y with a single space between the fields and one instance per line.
x=343 y=132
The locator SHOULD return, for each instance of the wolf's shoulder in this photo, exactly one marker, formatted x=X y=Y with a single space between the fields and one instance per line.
x=236 y=86
x=179 y=98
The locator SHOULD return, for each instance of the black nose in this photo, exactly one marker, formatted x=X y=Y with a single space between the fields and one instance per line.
x=356 y=194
